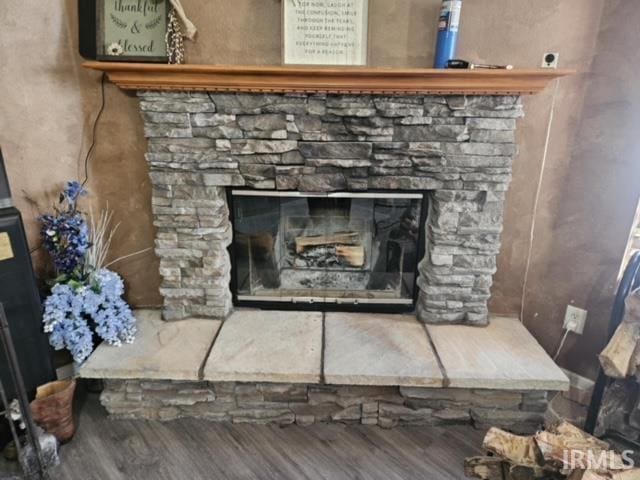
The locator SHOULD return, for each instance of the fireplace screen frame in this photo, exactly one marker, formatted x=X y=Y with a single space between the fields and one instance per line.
x=350 y=304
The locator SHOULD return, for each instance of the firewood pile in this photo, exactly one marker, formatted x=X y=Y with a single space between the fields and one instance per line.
x=621 y=357
x=563 y=451
x=619 y=415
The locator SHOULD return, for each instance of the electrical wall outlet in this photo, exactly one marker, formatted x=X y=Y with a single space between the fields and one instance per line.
x=574 y=319
x=550 y=60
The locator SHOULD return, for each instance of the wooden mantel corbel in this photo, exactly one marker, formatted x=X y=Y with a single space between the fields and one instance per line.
x=345 y=80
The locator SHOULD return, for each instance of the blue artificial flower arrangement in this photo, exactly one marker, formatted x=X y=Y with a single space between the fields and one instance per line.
x=65 y=234
x=86 y=298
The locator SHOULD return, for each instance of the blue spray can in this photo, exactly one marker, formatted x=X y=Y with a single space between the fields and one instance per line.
x=447 y=32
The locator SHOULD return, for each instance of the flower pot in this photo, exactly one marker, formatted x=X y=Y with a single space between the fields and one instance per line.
x=52 y=409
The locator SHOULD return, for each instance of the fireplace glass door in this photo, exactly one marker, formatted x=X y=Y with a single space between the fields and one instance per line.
x=326 y=249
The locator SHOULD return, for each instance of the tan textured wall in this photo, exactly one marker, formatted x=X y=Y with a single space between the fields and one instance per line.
x=590 y=192
x=48 y=103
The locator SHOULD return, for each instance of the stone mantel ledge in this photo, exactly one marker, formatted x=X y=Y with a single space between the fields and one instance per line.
x=344 y=80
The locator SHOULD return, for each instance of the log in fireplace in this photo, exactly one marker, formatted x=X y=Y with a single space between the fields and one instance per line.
x=318 y=250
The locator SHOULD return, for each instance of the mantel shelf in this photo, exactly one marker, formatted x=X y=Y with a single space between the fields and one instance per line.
x=347 y=80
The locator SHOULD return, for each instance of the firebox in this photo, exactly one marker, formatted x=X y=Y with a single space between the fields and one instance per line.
x=321 y=250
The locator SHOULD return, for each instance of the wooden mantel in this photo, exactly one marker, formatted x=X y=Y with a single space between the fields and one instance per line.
x=349 y=80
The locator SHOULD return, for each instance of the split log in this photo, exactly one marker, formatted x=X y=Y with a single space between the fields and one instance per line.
x=557 y=449
x=485 y=468
x=617 y=359
x=495 y=468
x=348 y=238
x=515 y=449
x=617 y=408
x=568 y=430
x=631 y=474
x=351 y=255
x=519 y=472
x=632 y=307
x=565 y=445
x=575 y=475
x=593 y=475
x=635 y=363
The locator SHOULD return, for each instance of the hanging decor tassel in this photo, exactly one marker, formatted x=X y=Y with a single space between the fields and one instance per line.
x=174 y=37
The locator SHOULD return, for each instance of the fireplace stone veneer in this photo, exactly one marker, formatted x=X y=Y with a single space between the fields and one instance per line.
x=458 y=149
x=304 y=404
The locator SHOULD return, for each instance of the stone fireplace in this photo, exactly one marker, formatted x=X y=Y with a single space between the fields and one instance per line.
x=337 y=200
x=341 y=190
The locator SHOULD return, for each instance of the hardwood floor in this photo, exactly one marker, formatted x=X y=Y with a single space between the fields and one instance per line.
x=105 y=449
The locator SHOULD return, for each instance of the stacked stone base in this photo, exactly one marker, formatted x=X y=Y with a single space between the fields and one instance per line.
x=305 y=404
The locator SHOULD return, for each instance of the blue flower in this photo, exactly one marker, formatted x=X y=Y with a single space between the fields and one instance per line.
x=81 y=305
x=72 y=192
x=65 y=234
x=66 y=238
x=72 y=315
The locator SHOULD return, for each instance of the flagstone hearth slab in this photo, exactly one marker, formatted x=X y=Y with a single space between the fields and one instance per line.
x=368 y=349
x=267 y=346
x=162 y=350
x=503 y=355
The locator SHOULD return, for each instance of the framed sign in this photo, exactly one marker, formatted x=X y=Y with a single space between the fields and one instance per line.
x=123 y=30
x=325 y=32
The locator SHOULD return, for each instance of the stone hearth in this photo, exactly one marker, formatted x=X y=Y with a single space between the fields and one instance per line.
x=294 y=367
x=457 y=149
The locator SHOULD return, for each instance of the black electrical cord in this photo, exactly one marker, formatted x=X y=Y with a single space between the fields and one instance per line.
x=87 y=158
x=629 y=282
x=93 y=130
